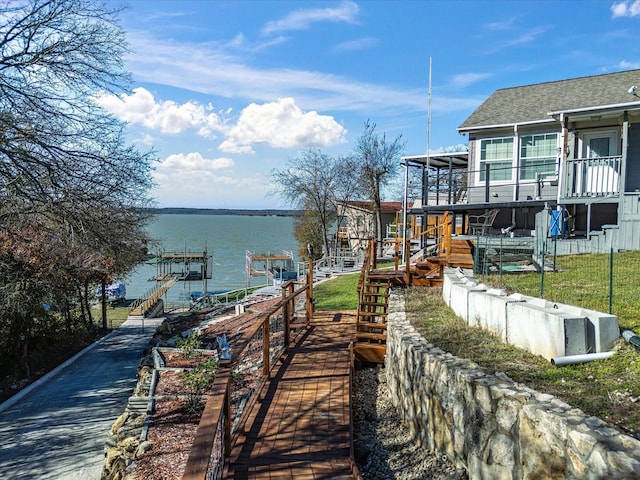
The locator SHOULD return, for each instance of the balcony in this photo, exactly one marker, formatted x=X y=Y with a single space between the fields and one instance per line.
x=591 y=177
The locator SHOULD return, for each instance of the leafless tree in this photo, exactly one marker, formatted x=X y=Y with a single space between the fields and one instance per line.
x=377 y=162
x=314 y=182
x=67 y=177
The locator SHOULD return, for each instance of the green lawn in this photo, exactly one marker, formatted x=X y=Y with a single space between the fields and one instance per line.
x=609 y=389
x=339 y=293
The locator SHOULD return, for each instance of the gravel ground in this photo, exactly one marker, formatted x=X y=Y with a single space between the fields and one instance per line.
x=383 y=446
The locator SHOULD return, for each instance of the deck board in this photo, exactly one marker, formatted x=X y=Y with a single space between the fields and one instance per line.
x=301 y=428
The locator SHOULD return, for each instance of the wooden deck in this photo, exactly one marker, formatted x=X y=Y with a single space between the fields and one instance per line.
x=301 y=428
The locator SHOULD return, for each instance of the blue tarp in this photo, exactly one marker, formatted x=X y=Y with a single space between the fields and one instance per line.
x=115 y=291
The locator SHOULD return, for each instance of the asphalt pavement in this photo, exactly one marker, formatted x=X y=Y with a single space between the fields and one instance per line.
x=56 y=428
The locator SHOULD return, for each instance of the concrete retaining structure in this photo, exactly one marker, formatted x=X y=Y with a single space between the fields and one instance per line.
x=544 y=328
x=489 y=425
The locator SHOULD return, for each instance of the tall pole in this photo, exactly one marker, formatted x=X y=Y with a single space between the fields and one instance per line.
x=425 y=177
x=429 y=117
x=405 y=207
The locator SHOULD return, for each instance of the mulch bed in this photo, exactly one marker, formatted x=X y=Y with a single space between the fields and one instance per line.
x=171 y=427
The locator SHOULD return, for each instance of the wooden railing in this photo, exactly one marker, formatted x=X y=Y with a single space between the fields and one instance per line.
x=440 y=234
x=239 y=381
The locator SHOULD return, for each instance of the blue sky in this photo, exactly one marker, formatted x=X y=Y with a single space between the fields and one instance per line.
x=226 y=91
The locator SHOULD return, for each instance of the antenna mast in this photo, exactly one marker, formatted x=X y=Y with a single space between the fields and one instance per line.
x=429 y=117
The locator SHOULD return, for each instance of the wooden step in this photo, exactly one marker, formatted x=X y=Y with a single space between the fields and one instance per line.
x=371 y=325
x=368 y=352
x=379 y=337
x=373 y=313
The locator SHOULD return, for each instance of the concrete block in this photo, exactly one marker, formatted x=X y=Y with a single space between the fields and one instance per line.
x=536 y=329
x=488 y=311
x=451 y=276
x=602 y=329
x=459 y=297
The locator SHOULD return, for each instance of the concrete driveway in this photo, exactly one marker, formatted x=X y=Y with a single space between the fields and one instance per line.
x=56 y=428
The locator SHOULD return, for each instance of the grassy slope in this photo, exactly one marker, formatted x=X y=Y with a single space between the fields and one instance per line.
x=609 y=389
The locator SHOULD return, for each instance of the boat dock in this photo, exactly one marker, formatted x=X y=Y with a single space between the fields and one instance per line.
x=183 y=266
x=276 y=266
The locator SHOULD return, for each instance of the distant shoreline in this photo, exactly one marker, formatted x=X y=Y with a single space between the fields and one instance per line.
x=226 y=211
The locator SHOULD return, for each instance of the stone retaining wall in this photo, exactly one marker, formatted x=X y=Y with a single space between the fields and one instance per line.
x=494 y=428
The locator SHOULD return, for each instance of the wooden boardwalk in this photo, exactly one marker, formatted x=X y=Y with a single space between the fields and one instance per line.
x=301 y=428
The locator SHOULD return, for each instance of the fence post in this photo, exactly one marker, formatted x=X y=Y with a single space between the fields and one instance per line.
x=500 y=266
x=476 y=255
x=611 y=282
x=544 y=252
x=485 y=261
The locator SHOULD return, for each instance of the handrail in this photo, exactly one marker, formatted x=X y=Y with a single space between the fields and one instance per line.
x=242 y=378
x=151 y=296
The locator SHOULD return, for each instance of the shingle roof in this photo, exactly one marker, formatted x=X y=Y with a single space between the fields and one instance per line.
x=531 y=103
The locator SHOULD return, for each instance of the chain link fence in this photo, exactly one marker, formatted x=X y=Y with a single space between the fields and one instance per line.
x=606 y=282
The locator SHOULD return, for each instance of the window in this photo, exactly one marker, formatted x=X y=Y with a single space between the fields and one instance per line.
x=600 y=144
x=538 y=155
x=498 y=154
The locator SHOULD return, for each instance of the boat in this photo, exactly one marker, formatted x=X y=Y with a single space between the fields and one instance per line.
x=115 y=292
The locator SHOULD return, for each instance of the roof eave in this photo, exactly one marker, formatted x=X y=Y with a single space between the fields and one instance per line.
x=599 y=108
x=463 y=130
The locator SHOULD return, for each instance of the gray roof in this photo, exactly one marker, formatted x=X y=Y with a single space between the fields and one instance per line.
x=533 y=103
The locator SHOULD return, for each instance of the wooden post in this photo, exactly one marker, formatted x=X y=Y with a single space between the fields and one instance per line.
x=407 y=261
x=265 y=347
x=396 y=256
x=309 y=303
x=227 y=417
x=287 y=320
x=374 y=254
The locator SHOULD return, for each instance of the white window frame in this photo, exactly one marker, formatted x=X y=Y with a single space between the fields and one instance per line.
x=614 y=139
x=480 y=162
x=521 y=159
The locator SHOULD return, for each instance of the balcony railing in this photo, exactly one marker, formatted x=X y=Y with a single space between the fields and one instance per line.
x=582 y=178
x=592 y=177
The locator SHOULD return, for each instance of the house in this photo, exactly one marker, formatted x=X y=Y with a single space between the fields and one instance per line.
x=357 y=222
x=560 y=158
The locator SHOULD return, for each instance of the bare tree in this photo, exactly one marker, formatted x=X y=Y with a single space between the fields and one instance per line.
x=377 y=162
x=313 y=182
x=73 y=194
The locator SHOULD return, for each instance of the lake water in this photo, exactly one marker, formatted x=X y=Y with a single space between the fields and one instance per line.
x=226 y=238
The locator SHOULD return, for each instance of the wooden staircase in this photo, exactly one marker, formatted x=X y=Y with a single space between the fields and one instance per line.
x=371 y=326
x=370 y=344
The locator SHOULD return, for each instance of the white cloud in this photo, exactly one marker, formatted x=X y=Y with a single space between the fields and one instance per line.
x=282 y=124
x=186 y=188
x=168 y=116
x=301 y=19
x=195 y=162
x=210 y=69
x=526 y=38
x=466 y=79
x=626 y=9
x=627 y=65
x=355 y=45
